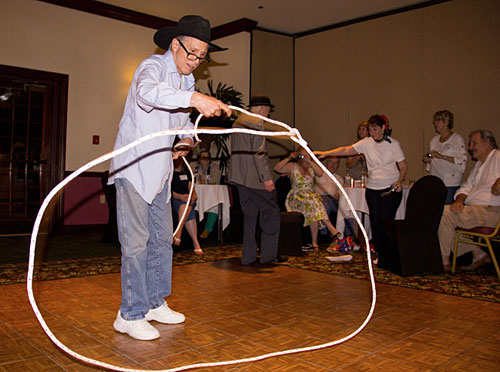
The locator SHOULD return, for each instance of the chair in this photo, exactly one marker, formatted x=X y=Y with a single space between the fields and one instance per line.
x=476 y=236
x=290 y=238
x=411 y=246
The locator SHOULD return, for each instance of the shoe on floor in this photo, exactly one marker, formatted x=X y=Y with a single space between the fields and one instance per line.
x=478 y=263
x=204 y=234
x=138 y=329
x=164 y=314
x=280 y=259
x=307 y=248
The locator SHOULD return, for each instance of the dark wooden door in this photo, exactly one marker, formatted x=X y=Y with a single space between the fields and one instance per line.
x=31 y=145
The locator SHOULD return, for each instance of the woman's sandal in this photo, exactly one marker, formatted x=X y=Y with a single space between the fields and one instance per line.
x=177 y=241
x=198 y=251
x=336 y=236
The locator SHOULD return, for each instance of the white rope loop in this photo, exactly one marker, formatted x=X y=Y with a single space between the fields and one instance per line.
x=294 y=135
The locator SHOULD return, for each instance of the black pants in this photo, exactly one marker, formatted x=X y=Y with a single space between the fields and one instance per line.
x=255 y=203
x=381 y=208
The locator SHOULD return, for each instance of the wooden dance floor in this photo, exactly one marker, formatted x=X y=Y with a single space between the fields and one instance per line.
x=238 y=312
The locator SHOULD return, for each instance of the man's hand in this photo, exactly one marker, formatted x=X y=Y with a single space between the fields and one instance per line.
x=495 y=189
x=457 y=206
x=180 y=150
x=209 y=106
x=269 y=186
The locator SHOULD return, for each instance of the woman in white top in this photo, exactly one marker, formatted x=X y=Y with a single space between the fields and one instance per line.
x=447 y=157
x=387 y=168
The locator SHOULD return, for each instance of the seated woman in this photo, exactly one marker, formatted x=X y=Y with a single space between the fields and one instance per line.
x=181 y=184
x=303 y=197
x=356 y=164
x=206 y=172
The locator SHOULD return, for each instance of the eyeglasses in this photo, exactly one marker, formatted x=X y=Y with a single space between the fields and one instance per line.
x=194 y=57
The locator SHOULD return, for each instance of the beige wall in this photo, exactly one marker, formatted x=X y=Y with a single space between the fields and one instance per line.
x=406 y=66
x=99 y=55
x=230 y=67
x=272 y=74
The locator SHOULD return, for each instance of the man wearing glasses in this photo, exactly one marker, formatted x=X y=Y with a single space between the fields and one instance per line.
x=159 y=98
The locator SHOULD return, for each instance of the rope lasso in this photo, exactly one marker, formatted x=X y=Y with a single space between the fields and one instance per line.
x=295 y=136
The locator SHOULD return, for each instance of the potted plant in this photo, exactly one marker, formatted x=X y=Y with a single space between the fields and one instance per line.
x=229 y=96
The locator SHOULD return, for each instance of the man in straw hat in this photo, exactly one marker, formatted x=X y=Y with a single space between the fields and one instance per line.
x=159 y=98
x=250 y=171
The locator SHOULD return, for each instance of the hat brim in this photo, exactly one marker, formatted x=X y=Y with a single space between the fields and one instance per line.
x=164 y=36
x=262 y=104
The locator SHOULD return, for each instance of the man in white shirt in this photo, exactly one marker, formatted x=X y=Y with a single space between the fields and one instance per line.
x=477 y=201
x=159 y=98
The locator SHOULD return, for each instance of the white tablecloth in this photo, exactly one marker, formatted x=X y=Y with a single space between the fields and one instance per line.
x=358 y=200
x=210 y=196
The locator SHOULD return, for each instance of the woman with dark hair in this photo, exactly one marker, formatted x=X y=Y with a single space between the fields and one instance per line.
x=303 y=197
x=447 y=157
x=181 y=184
x=387 y=168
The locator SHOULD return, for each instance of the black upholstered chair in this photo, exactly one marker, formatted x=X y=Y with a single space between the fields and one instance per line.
x=411 y=246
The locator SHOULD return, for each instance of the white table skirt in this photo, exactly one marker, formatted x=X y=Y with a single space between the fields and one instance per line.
x=210 y=196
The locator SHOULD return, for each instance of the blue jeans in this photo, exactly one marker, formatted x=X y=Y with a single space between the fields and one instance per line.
x=331 y=206
x=145 y=234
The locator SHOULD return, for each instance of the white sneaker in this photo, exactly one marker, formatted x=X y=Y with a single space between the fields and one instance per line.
x=164 y=314
x=138 y=329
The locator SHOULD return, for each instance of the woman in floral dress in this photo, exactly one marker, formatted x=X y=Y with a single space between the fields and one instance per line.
x=303 y=197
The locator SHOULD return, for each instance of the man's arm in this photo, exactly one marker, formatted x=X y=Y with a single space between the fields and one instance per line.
x=261 y=162
x=180 y=150
x=209 y=106
x=495 y=189
x=458 y=205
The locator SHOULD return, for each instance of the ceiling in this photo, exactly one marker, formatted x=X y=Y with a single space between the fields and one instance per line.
x=284 y=16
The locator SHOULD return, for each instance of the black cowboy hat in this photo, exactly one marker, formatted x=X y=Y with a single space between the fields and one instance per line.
x=260 y=100
x=190 y=25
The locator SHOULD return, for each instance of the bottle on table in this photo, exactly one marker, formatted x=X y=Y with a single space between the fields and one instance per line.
x=348 y=179
x=364 y=178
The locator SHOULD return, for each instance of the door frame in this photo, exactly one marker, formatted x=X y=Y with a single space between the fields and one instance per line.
x=55 y=126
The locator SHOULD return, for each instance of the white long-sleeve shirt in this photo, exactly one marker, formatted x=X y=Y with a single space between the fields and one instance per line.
x=158 y=99
x=450 y=173
x=326 y=186
x=477 y=187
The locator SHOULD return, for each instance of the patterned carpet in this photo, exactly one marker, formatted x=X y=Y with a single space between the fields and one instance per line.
x=482 y=284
